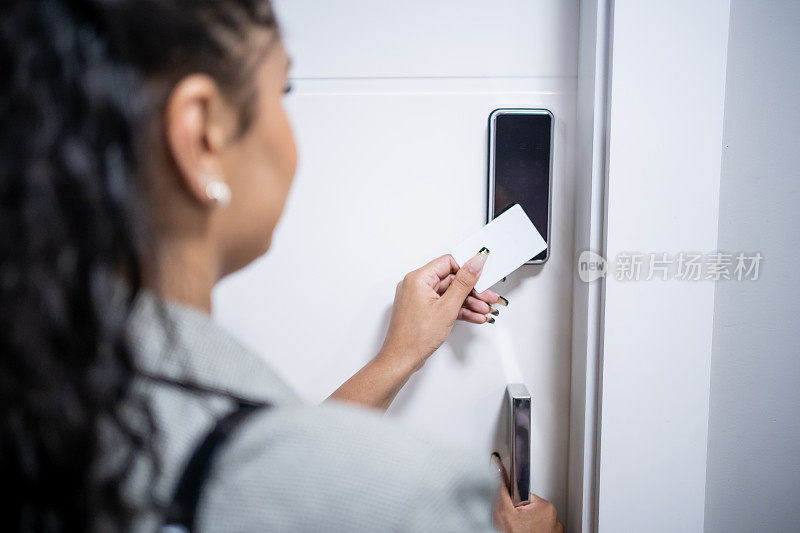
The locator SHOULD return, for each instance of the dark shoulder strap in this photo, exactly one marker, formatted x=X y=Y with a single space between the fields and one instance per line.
x=182 y=511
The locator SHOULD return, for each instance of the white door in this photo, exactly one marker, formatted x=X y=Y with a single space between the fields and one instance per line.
x=389 y=106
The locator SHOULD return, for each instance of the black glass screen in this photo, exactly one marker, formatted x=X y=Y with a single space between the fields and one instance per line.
x=522 y=168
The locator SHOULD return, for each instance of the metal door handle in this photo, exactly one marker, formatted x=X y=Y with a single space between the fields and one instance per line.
x=518 y=442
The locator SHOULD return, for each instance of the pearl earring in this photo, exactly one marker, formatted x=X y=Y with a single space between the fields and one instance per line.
x=216 y=189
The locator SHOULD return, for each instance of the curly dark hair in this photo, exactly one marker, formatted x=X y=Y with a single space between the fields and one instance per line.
x=75 y=101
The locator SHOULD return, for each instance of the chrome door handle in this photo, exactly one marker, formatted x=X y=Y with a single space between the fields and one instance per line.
x=515 y=444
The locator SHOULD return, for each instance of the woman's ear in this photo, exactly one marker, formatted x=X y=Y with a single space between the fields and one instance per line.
x=196 y=121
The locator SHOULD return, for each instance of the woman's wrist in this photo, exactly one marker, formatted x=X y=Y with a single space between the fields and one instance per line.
x=381 y=379
x=404 y=360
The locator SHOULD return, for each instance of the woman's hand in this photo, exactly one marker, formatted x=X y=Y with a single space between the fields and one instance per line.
x=427 y=303
x=538 y=516
x=478 y=306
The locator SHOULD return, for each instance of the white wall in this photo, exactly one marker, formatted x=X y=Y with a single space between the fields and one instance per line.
x=390 y=108
x=753 y=479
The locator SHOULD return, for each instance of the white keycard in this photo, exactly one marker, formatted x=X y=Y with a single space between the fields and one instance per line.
x=511 y=238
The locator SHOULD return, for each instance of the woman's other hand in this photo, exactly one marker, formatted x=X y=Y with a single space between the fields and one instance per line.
x=538 y=516
x=427 y=303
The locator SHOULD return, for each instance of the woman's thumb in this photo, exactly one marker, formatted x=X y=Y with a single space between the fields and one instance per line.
x=464 y=280
x=504 y=500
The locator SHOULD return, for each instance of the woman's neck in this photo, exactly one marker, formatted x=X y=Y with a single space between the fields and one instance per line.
x=186 y=272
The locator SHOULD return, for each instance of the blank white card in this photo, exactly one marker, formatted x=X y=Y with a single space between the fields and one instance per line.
x=511 y=238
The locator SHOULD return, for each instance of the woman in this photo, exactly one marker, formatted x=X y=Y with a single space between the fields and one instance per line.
x=146 y=155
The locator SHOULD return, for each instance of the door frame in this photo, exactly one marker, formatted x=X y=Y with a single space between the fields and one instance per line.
x=651 y=93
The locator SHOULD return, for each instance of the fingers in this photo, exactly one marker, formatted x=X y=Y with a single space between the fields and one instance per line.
x=545 y=509
x=464 y=281
x=441 y=266
x=500 y=470
x=440 y=273
x=473 y=304
x=444 y=283
x=491 y=298
x=480 y=303
x=471 y=316
x=453 y=265
x=434 y=272
x=488 y=296
x=504 y=502
x=537 y=515
x=535 y=498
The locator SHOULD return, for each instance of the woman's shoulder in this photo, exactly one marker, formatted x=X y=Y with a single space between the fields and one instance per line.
x=177 y=343
x=299 y=467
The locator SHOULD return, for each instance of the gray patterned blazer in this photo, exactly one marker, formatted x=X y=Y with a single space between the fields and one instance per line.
x=294 y=467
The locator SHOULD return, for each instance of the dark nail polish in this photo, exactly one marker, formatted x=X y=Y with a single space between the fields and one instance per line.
x=489 y=320
x=502 y=301
x=504 y=279
x=483 y=250
x=494 y=311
